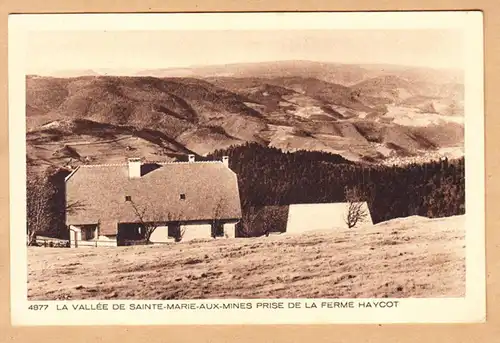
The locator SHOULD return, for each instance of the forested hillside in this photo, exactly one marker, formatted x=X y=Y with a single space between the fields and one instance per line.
x=268 y=176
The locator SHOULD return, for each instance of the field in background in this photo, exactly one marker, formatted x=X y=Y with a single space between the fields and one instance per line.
x=407 y=257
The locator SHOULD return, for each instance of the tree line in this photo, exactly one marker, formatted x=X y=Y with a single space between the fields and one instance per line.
x=270 y=177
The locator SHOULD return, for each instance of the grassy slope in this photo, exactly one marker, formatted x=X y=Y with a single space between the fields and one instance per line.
x=410 y=257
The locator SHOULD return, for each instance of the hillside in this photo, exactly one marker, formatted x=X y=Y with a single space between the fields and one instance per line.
x=362 y=113
x=390 y=87
x=405 y=257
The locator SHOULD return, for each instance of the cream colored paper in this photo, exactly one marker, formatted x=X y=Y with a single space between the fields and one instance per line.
x=459 y=310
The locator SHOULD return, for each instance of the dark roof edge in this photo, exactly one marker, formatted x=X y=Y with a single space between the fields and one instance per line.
x=70 y=223
x=146 y=162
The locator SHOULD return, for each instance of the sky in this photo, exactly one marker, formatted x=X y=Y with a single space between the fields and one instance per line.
x=52 y=51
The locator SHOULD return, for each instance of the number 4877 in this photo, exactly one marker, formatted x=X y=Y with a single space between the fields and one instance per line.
x=38 y=307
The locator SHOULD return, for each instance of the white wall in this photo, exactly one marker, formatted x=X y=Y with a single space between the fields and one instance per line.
x=230 y=230
x=107 y=241
x=196 y=231
x=328 y=216
x=160 y=235
x=191 y=231
x=75 y=237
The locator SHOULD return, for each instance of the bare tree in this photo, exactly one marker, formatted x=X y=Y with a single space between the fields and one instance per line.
x=249 y=222
x=217 y=216
x=150 y=219
x=39 y=192
x=182 y=231
x=247 y=227
x=74 y=207
x=261 y=221
x=356 y=212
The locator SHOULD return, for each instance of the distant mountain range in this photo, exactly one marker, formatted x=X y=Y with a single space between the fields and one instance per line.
x=344 y=74
x=376 y=114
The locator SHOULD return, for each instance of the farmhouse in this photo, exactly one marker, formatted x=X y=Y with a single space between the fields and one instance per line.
x=312 y=217
x=116 y=204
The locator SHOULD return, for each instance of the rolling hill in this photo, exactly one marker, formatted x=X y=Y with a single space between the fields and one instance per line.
x=412 y=257
x=360 y=112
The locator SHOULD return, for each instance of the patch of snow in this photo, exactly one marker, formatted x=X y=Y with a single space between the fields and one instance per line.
x=340 y=109
x=382 y=149
x=403 y=220
x=52 y=124
x=306 y=112
x=413 y=117
x=254 y=106
x=426 y=156
x=452 y=152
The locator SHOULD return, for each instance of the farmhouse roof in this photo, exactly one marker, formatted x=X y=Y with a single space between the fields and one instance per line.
x=181 y=191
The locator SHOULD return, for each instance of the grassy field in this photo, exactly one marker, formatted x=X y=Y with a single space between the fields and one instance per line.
x=408 y=257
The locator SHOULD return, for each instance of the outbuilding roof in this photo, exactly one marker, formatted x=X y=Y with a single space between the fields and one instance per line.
x=182 y=191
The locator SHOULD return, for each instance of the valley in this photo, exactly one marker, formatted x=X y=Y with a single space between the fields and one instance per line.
x=366 y=114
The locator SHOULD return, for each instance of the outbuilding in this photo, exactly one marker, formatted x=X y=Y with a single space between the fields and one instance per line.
x=324 y=216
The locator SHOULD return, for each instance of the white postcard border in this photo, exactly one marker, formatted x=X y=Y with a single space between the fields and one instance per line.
x=472 y=308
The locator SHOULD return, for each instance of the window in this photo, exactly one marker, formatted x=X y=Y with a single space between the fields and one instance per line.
x=174 y=230
x=182 y=196
x=88 y=233
x=217 y=229
x=128 y=198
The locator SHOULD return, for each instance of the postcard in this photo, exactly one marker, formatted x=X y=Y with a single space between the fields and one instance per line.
x=247 y=168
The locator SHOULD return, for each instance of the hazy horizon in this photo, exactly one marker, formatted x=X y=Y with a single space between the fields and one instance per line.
x=134 y=72
x=53 y=52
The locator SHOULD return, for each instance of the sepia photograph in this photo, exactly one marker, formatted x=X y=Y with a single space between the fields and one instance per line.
x=247 y=162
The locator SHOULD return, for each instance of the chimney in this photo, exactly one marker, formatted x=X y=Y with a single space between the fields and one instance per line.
x=134 y=168
x=225 y=161
x=191 y=158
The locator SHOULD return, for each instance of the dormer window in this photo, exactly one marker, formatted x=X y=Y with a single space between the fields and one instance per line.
x=182 y=196
x=128 y=198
